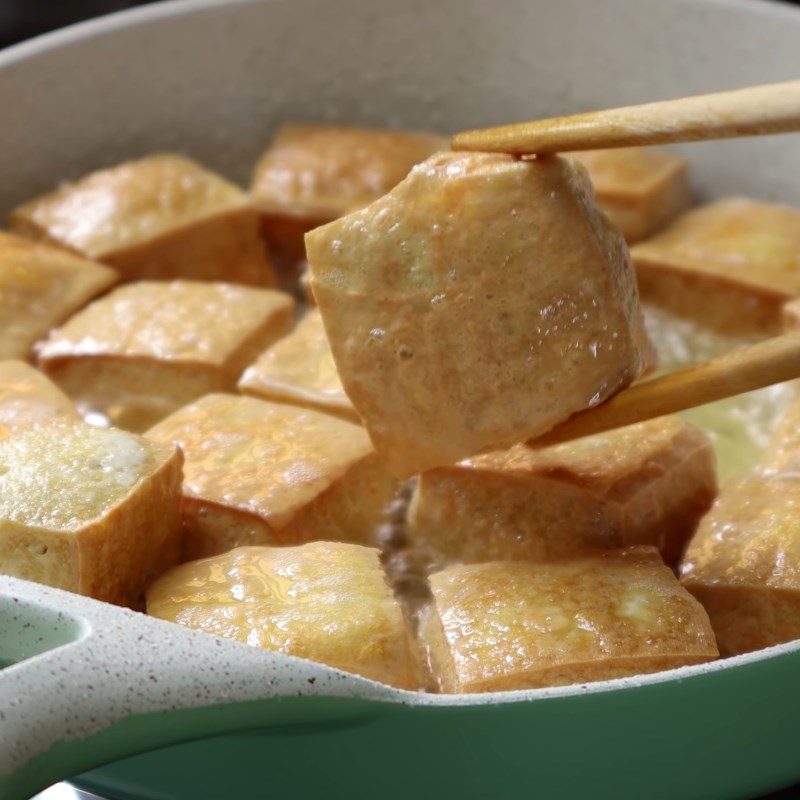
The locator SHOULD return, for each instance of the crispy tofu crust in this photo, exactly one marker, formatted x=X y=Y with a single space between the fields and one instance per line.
x=28 y=398
x=640 y=189
x=325 y=601
x=99 y=516
x=645 y=484
x=520 y=625
x=782 y=454
x=731 y=264
x=448 y=348
x=743 y=563
x=299 y=369
x=319 y=172
x=264 y=473
x=150 y=347
x=41 y=286
x=162 y=216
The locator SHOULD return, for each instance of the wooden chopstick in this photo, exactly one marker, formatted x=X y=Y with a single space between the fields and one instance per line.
x=759 y=110
x=772 y=361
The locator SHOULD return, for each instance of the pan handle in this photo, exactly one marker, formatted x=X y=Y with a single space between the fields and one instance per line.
x=83 y=683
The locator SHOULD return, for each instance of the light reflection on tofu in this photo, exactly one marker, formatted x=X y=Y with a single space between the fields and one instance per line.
x=299 y=369
x=640 y=189
x=743 y=564
x=520 y=625
x=150 y=347
x=313 y=173
x=645 y=484
x=160 y=217
x=41 y=286
x=90 y=510
x=28 y=398
x=265 y=473
x=325 y=601
x=730 y=265
x=479 y=303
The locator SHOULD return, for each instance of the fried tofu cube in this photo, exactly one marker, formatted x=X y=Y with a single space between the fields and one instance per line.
x=41 y=286
x=28 y=398
x=266 y=473
x=479 y=303
x=91 y=510
x=311 y=174
x=645 y=484
x=519 y=625
x=782 y=454
x=299 y=369
x=743 y=564
x=161 y=217
x=640 y=189
x=791 y=316
x=731 y=265
x=325 y=601
x=150 y=347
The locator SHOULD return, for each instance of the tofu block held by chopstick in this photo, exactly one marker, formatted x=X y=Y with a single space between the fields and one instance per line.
x=478 y=304
x=645 y=484
x=150 y=347
x=516 y=625
x=268 y=473
x=640 y=189
x=730 y=265
x=743 y=564
x=28 y=398
x=160 y=217
x=313 y=173
x=91 y=510
x=325 y=601
x=299 y=369
x=40 y=286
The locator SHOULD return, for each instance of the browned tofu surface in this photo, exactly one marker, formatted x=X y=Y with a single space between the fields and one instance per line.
x=91 y=510
x=640 y=189
x=730 y=265
x=160 y=217
x=265 y=473
x=313 y=173
x=150 y=347
x=299 y=369
x=743 y=564
x=325 y=601
x=521 y=625
x=479 y=303
x=28 y=398
x=41 y=286
x=782 y=454
x=645 y=484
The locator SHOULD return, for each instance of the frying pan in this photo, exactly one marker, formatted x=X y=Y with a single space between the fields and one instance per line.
x=185 y=715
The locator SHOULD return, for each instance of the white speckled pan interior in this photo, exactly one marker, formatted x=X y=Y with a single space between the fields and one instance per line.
x=213 y=79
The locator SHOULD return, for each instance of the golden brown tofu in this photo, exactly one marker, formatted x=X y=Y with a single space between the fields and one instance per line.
x=150 y=347
x=90 y=510
x=325 y=601
x=266 y=473
x=299 y=369
x=161 y=217
x=519 y=625
x=640 y=189
x=743 y=564
x=730 y=265
x=645 y=484
x=311 y=174
x=28 y=398
x=41 y=286
x=782 y=454
x=478 y=304
x=791 y=315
